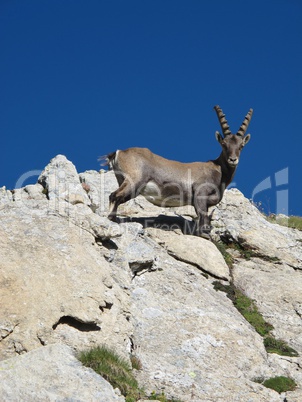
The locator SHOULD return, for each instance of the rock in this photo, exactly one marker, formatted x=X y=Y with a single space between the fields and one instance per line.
x=52 y=373
x=5 y=196
x=55 y=285
x=191 y=341
x=97 y=186
x=83 y=217
x=69 y=276
x=193 y=250
x=61 y=181
x=237 y=219
x=278 y=291
x=35 y=191
x=133 y=250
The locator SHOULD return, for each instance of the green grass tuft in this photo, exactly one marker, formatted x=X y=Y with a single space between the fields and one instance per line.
x=161 y=397
x=222 y=247
x=116 y=370
x=280 y=384
x=294 y=222
x=250 y=312
x=279 y=347
x=136 y=363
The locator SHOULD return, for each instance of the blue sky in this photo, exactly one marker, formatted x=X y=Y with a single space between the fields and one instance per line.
x=83 y=78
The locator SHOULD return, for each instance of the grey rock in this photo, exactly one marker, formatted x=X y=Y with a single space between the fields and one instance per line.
x=61 y=180
x=68 y=275
x=35 y=191
x=98 y=186
x=277 y=288
x=191 y=341
x=238 y=219
x=193 y=250
x=54 y=283
x=134 y=250
x=6 y=196
x=23 y=378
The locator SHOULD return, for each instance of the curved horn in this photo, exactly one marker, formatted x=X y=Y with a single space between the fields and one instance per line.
x=245 y=124
x=222 y=120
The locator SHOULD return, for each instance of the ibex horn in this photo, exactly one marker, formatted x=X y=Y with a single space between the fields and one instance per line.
x=222 y=120
x=245 y=124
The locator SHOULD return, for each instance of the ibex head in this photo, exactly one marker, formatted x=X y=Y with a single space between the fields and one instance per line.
x=232 y=144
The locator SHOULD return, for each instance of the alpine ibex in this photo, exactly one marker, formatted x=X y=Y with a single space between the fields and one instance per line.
x=169 y=183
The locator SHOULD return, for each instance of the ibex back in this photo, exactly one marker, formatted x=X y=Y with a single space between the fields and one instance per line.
x=169 y=183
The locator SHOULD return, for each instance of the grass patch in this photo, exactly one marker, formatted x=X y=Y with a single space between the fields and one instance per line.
x=223 y=250
x=246 y=307
x=249 y=310
x=136 y=363
x=280 y=384
x=119 y=373
x=246 y=253
x=161 y=397
x=116 y=370
x=278 y=346
x=294 y=222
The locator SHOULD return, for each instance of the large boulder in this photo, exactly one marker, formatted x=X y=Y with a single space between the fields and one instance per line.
x=52 y=373
x=237 y=219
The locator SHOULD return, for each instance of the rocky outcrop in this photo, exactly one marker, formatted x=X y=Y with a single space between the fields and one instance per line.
x=52 y=373
x=143 y=286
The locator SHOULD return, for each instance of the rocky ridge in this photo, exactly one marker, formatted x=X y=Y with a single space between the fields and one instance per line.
x=70 y=279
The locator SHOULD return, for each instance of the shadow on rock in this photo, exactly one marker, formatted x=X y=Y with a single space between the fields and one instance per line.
x=164 y=222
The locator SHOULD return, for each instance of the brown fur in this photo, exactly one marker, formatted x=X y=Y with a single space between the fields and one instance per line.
x=170 y=183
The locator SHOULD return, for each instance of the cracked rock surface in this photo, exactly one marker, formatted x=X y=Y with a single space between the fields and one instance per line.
x=70 y=279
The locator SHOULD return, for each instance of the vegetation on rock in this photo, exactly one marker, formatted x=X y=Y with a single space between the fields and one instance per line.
x=118 y=372
x=222 y=247
x=273 y=345
x=250 y=312
x=115 y=369
x=294 y=222
x=278 y=384
x=161 y=397
x=245 y=252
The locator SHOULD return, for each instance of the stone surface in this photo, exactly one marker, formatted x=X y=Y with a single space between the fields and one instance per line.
x=6 y=196
x=61 y=180
x=236 y=218
x=191 y=341
x=52 y=373
x=277 y=289
x=193 y=250
x=69 y=276
x=55 y=284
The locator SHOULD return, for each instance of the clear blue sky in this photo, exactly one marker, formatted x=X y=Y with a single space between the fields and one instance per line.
x=83 y=78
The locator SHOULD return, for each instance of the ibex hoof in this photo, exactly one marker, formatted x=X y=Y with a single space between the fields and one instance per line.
x=112 y=218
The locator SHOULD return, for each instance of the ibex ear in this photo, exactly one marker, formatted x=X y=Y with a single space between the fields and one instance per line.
x=218 y=137
x=246 y=139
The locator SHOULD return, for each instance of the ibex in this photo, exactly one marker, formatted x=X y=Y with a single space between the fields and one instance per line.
x=169 y=183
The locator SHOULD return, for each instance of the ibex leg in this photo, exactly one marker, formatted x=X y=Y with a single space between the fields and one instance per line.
x=123 y=194
x=203 y=221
